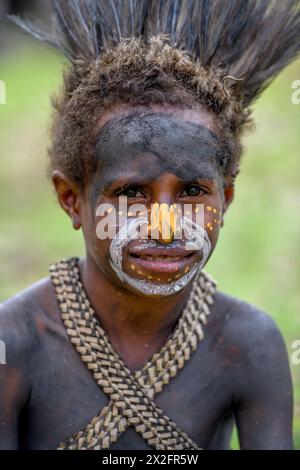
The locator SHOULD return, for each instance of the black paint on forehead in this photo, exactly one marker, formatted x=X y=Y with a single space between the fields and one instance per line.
x=153 y=143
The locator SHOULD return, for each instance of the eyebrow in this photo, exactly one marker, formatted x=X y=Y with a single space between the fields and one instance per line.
x=144 y=181
x=206 y=176
x=125 y=181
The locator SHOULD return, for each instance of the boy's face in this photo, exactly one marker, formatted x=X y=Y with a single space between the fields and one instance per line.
x=163 y=157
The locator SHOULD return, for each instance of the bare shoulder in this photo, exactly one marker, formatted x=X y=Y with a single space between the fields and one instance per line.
x=25 y=316
x=248 y=334
x=244 y=320
x=253 y=361
x=25 y=320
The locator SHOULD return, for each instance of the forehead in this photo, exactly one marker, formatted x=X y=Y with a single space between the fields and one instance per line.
x=184 y=142
x=197 y=114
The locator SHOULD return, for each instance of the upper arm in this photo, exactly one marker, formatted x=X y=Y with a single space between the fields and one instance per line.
x=10 y=404
x=14 y=389
x=264 y=402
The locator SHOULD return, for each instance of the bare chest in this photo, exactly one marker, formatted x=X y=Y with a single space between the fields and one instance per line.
x=66 y=399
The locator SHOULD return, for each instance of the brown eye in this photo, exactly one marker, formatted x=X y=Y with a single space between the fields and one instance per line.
x=193 y=190
x=131 y=192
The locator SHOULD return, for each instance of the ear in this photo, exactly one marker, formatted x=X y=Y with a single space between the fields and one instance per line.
x=68 y=197
x=228 y=192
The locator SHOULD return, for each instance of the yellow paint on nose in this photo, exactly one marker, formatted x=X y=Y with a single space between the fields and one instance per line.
x=163 y=220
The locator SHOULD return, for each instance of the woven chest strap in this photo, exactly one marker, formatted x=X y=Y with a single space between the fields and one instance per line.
x=131 y=394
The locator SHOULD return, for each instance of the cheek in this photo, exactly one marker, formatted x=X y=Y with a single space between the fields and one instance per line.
x=212 y=222
x=99 y=249
x=100 y=246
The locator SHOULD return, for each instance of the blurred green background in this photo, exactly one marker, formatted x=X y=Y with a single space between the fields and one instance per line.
x=258 y=254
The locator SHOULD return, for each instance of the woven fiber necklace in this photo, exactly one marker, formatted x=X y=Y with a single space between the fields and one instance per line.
x=131 y=394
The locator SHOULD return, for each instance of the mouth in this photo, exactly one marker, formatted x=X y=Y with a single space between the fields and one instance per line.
x=161 y=259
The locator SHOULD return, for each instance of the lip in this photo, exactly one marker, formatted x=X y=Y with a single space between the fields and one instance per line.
x=161 y=265
x=153 y=248
x=160 y=251
x=160 y=259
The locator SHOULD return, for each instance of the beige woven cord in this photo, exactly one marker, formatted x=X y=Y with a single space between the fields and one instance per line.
x=131 y=393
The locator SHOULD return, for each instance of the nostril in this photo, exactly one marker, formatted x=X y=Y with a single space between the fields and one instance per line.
x=165 y=241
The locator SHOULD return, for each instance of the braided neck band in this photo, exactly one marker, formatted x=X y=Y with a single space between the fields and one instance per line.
x=131 y=394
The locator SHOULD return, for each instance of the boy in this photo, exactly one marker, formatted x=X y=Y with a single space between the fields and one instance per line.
x=133 y=346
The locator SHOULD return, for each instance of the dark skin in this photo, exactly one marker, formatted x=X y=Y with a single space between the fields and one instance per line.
x=47 y=394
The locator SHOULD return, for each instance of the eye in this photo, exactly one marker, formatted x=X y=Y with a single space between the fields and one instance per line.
x=131 y=192
x=193 y=190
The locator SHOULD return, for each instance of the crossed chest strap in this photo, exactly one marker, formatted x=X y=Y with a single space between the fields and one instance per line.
x=131 y=394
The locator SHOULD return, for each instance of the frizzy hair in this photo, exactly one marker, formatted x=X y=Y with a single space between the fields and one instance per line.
x=221 y=54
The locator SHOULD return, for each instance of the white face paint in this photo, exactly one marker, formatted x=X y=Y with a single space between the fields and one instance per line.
x=196 y=239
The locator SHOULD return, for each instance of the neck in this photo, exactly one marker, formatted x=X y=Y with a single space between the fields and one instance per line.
x=136 y=325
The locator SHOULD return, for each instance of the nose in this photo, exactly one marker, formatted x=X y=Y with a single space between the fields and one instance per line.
x=163 y=210
x=163 y=222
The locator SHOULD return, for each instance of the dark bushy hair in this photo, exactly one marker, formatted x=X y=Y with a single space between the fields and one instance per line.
x=221 y=54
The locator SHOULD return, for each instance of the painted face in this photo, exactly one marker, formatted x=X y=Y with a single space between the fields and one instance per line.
x=156 y=158
x=172 y=145
x=148 y=255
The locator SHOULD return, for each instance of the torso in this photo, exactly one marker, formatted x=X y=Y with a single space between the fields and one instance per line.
x=49 y=391
x=65 y=397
